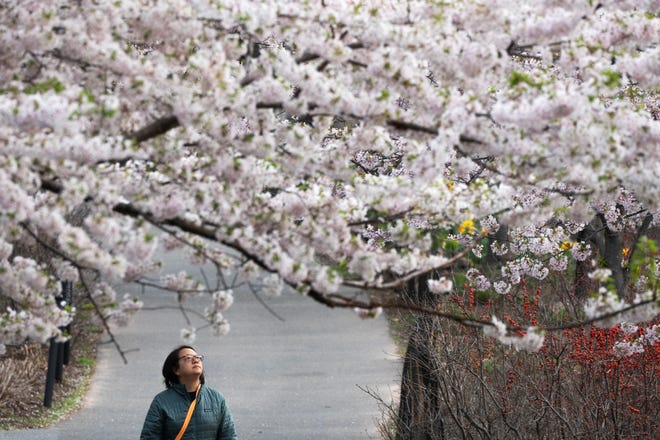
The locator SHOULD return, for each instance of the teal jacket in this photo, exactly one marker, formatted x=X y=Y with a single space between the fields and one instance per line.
x=211 y=419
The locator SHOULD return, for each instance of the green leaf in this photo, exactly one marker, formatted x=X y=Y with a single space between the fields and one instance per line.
x=612 y=79
x=517 y=78
x=45 y=86
x=384 y=95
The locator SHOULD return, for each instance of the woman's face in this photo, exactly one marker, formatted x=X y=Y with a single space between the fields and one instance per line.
x=190 y=364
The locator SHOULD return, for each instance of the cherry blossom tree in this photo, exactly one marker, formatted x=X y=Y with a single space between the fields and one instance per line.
x=329 y=144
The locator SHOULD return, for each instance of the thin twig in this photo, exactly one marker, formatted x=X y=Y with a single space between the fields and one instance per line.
x=263 y=303
x=104 y=321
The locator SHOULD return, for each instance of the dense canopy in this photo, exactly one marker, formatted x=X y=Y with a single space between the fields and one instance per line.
x=329 y=143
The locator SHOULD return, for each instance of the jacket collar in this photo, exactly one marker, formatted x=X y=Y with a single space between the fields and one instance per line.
x=181 y=388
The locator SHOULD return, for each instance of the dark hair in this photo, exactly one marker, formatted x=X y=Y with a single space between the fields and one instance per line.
x=171 y=363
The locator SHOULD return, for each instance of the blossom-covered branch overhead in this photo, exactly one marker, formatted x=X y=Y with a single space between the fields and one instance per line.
x=329 y=143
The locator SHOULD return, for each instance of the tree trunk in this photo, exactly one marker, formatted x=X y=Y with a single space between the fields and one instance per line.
x=419 y=416
x=590 y=234
x=612 y=253
x=610 y=246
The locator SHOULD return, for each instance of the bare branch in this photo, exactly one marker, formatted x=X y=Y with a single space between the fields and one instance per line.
x=104 y=320
x=342 y=301
x=411 y=126
x=158 y=127
x=264 y=304
x=387 y=219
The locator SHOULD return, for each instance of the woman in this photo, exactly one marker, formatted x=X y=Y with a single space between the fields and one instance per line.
x=209 y=418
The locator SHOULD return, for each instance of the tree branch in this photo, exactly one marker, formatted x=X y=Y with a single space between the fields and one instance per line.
x=158 y=127
x=399 y=282
x=99 y=313
x=411 y=126
x=340 y=301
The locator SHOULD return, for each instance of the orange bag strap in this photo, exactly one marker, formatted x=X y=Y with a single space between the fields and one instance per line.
x=189 y=415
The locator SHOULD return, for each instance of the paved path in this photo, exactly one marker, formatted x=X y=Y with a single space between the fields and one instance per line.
x=294 y=380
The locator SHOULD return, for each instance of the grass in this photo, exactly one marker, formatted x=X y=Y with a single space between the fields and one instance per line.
x=89 y=362
x=399 y=323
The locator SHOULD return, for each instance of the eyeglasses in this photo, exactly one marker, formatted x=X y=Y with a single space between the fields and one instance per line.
x=190 y=357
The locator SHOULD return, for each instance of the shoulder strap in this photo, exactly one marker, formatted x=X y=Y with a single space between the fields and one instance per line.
x=189 y=415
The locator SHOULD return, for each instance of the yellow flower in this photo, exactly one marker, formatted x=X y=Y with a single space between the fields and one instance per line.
x=466 y=226
x=625 y=252
x=567 y=245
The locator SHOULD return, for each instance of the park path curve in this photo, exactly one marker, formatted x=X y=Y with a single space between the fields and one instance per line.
x=298 y=379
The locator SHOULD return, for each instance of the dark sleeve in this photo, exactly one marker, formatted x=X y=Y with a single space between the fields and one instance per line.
x=152 y=429
x=227 y=430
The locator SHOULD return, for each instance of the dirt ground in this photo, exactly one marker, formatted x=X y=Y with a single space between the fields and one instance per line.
x=23 y=372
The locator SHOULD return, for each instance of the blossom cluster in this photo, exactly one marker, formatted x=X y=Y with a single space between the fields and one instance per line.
x=608 y=309
x=637 y=344
x=532 y=340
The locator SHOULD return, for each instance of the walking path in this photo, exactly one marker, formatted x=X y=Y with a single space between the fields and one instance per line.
x=296 y=380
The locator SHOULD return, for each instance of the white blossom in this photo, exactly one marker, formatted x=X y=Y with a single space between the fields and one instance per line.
x=651 y=335
x=221 y=327
x=502 y=287
x=223 y=299
x=581 y=251
x=629 y=328
x=188 y=335
x=604 y=303
x=531 y=341
x=625 y=348
x=442 y=285
x=368 y=313
x=66 y=271
x=273 y=285
x=600 y=274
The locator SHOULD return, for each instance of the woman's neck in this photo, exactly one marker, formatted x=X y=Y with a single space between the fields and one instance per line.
x=191 y=384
